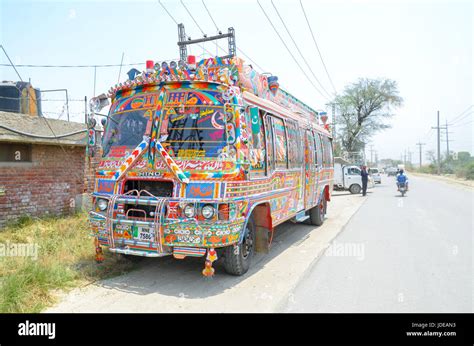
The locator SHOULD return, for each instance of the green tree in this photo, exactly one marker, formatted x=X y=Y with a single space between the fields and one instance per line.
x=363 y=108
x=464 y=156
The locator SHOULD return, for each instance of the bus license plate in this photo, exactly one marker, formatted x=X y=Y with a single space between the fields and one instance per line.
x=144 y=234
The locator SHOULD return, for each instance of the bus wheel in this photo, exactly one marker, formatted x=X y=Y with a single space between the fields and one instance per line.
x=237 y=258
x=355 y=189
x=317 y=213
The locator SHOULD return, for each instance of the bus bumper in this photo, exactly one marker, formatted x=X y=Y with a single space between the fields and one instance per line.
x=162 y=236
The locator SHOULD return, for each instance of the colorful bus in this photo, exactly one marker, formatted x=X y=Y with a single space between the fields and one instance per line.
x=206 y=160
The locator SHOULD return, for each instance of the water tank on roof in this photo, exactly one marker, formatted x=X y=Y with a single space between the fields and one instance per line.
x=20 y=97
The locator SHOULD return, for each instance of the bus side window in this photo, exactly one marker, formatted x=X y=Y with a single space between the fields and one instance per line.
x=294 y=143
x=258 y=158
x=281 y=147
x=328 y=155
x=319 y=149
x=269 y=142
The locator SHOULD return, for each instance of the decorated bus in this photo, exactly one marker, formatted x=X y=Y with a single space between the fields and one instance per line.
x=206 y=159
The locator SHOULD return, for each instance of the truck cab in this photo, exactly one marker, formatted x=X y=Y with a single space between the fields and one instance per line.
x=348 y=178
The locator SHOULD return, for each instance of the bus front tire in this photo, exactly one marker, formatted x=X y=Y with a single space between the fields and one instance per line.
x=237 y=262
x=317 y=213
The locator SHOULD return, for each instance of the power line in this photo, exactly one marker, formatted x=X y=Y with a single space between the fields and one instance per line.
x=169 y=14
x=215 y=24
x=249 y=58
x=298 y=49
x=461 y=118
x=289 y=51
x=11 y=63
x=174 y=20
x=195 y=22
x=317 y=48
x=209 y=13
x=240 y=50
x=460 y=114
x=464 y=124
x=75 y=66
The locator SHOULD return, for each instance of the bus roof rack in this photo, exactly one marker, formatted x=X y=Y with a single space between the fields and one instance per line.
x=184 y=42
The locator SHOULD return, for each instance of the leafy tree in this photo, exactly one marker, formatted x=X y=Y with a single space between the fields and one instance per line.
x=363 y=108
x=464 y=156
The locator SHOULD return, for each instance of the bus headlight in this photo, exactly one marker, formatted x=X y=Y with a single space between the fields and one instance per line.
x=207 y=211
x=189 y=211
x=102 y=204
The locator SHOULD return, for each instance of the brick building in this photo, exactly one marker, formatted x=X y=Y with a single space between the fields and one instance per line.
x=39 y=174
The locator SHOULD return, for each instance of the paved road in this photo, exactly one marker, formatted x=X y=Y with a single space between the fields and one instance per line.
x=411 y=254
x=169 y=285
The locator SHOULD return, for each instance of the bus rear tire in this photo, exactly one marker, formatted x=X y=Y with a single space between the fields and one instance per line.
x=237 y=262
x=317 y=213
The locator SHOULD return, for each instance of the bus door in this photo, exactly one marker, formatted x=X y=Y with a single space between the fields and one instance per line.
x=320 y=165
x=310 y=169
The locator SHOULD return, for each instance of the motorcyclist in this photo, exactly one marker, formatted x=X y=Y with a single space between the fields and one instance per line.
x=402 y=178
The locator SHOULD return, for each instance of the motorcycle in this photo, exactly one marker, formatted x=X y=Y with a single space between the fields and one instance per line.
x=402 y=187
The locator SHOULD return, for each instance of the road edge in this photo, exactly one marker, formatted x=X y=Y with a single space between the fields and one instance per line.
x=283 y=303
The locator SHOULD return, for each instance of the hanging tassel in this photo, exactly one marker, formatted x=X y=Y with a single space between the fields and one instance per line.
x=208 y=271
x=211 y=255
x=99 y=254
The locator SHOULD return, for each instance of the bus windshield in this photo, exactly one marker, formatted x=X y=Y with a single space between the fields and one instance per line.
x=193 y=128
x=125 y=129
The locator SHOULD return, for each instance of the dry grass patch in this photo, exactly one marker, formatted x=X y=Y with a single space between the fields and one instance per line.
x=65 y=259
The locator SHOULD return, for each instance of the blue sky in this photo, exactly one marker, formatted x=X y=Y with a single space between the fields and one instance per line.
x=426 y=46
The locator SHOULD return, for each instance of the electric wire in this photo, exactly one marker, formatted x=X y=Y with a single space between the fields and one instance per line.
x=169 y=14
x=42 y=137
x=456 y=118
x=317 y=48
x=240 y=50
x=12 y=65
x=298 y=49
x=190 y=14
x=289 y=51
x=74 y=66
x=209 y=13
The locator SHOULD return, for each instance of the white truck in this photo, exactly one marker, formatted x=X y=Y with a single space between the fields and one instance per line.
x=347 y=177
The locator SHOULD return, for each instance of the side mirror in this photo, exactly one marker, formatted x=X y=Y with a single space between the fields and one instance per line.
x=99 y=102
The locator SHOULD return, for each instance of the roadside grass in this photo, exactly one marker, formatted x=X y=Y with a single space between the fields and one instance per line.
x=65 y=259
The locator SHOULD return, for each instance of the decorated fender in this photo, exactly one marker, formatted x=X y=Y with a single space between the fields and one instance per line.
x=262 y=228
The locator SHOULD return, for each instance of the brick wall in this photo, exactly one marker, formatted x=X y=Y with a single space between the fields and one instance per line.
x=47 y=186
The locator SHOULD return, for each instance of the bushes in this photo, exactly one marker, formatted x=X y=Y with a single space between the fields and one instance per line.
x=466 y=171
x=463 y=167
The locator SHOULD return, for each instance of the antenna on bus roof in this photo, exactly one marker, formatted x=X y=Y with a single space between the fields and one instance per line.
x=183 y=42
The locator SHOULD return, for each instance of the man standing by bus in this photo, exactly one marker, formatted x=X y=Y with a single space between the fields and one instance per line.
x=365 y=179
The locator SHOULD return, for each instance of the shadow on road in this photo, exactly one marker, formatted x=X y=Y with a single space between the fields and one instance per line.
x=183 y=278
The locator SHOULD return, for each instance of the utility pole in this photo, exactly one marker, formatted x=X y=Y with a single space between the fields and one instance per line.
x=409 y=156
x=447 y=140
x=371 y=152
x=420 y=147
x=438 y=128
x=405 y=158
x=334 y=123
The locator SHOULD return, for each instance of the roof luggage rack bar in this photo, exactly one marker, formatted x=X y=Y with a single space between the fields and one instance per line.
x=184 y=42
